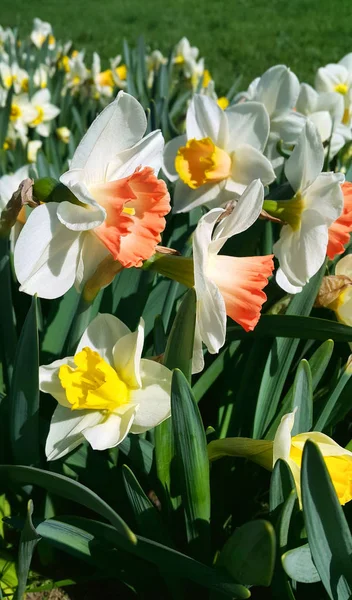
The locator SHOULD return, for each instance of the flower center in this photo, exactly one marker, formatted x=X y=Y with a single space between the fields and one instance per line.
x=105 y=78
x=341 y=88
x=121 y=72
x=39 y=118
x=93 y=384
x=15 y=112
x=289 y=211
x=200 y=162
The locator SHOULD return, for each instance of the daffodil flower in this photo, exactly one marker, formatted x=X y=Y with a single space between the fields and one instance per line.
x=325 y=110
x=41 y=32
x=338 y=78
x=338 y=460
x=106 y=390
x=120 y=206
x=44 y=112
x=339 y=231
x=278 y=89
x=221 y=153
x=316 y=204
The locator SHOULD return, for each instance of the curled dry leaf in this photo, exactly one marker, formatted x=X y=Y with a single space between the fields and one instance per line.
x=331 y=287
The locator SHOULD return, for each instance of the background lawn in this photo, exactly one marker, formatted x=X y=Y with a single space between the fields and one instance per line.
x=235 y=36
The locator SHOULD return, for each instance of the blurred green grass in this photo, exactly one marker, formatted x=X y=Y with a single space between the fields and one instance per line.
x=235 y=36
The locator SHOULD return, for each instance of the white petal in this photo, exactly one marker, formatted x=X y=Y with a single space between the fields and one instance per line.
x=326 y=197
x=198 y=356
x=249 y=164
x=41 y=97
x=307 y=99
x=185 y=198
x=66 y=430
x=118 y=127
x=153 y=399
x=244 y=214
x=146 y=153
x=102 y=334
x=284 y=283
x=248 y=123
x=288 y=126
x=50 y=112
x=92 y=254
x=46 y=254
x=211 y=312
x=43 y=129
x=9 y=184
x=307 y=159
x=127 y=355
x=170 y=151
x=323 y=122
x=278 y=90
x=282 y=440
x=113 y=431
x=327 y=78
x=346 y=61
x=206 y=119
x=49 y=381
x=87 y=217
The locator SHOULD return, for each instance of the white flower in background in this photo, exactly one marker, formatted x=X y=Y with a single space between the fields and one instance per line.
x=325 y=110
x=22 y=113
x=64 y=134
x=186 y=58
x=278 y=89
x=119 y=72
x=220 y=154
x=119 y=211
x=338 y=78
x=227 y=285
x=106 y=390
x=44 y=112
x=13 y=75
x=317 y=203
x=42 y=31
x=103 y=81
x=209 y=90
x=154 y=60
x=76 y=71
x=41 y=76
x=32 y=149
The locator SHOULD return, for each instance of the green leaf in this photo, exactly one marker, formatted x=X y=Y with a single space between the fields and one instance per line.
x=281 y=484
x=178 y=354
x=210 y=375
x=298 y=564
x=328 y=533
x=67 y=488
x=249 y=554
x=79 y=535
x=7 y=316
x=317 y=363
x=192 y=465
x=139 y=451
x=338 y=403
x=24 y=393
x=58 y=328
x=302 y=399
x=280 y=359
x=28 y=541
x=146 y=515
x=291 y=326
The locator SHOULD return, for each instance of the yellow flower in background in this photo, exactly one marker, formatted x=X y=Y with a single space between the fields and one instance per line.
x=223 y=102
x=338 y=460
x=64 y=134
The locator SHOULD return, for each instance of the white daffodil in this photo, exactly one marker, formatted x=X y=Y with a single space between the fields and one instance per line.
x=186 y=57
x=64 y=134
x=119 y=211
x=119 y=72
x=227 y=285
x=325 y=110
x=317 y=203
x=220 y=154
x=32 y=149
x=76 y=72
x=13 y=75
x=41 y=32
x=103 y=81
x=44 y=112
x=154 y=60
x=338 y=78
x=278 y=89
x=106 y=390
x=22 y=113
x=41 y=76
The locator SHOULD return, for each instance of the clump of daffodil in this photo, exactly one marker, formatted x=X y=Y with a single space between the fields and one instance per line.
x=338 y=460
x=106 y=390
